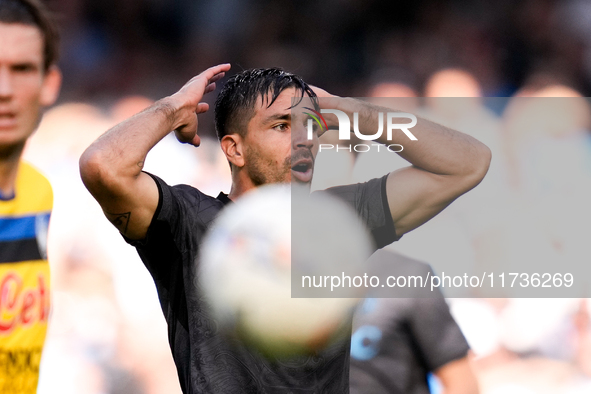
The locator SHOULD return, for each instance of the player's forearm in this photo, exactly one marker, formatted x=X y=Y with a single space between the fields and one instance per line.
x=118 y=156
x=461 y=389
x=437 y=149
x=457 y=377
x=461 y=386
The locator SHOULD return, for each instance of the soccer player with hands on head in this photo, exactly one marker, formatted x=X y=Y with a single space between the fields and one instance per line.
x=265 y=142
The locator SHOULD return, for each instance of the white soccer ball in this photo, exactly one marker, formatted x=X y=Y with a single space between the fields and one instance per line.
x=245 y=269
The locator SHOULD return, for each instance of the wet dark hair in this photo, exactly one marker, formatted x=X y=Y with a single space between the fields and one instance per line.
x=34 y=13
x=236 y=102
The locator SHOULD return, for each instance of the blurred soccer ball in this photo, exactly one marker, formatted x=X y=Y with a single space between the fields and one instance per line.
x=245 y=269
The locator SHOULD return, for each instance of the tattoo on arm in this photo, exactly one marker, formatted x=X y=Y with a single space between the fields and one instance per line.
x=119 y=220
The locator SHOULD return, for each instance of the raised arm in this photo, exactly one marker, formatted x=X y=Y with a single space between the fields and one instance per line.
x=445 y=162
x=111 y=168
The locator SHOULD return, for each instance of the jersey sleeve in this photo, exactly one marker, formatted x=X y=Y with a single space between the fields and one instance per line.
x=172 y=241
x=371 y=203
x=437 y=334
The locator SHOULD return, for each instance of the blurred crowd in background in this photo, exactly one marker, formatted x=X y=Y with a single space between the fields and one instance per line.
x=107 y=332
x=114 y=48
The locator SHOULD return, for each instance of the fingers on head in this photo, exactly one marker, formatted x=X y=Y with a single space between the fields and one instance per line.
x=202 y=107
x=183 y=137
x=210 y=87
x=196 y=141
x=186 y=132
x=216 y=70
x=217 y=77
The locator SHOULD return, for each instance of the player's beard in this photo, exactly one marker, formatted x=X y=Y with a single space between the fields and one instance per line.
x=263 y=170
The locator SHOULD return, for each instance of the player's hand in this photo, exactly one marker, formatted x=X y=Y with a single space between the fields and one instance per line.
x=186 y=103
x=327 y=101
x=321 y=93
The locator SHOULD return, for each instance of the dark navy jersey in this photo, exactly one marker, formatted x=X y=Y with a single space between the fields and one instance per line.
x=206 y=361
x=398 y=342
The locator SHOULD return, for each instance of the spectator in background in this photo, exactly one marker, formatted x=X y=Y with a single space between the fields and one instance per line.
x=29 y=81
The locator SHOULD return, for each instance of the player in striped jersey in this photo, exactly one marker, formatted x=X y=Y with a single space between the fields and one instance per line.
x=29 y=81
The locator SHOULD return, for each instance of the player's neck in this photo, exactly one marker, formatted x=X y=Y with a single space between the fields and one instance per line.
x=237 y=190
x=241 y=183
x=9 y=161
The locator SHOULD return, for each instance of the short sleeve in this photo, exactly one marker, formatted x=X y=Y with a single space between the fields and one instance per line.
x=179 y=223
x=437 y=335
x=371 y=203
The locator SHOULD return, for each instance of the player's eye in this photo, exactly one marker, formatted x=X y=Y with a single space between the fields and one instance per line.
x=315 y=127
x=23 y=67
x=281 y=127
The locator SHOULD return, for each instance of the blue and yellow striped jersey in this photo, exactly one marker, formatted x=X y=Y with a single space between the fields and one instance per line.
x=24 y=280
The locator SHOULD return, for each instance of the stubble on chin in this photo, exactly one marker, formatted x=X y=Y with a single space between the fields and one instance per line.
x=263 y=172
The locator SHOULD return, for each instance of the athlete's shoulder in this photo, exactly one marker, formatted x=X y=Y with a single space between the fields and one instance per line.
x=191 y=203
x=29 y=174
x=194 y=196
x=33 y=190
x=180 y=191
x=372 y=186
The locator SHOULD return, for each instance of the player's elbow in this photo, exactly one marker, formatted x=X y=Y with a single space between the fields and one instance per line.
x=92 y=169
x=478 y=166
x=484 y=158
x=96 y=172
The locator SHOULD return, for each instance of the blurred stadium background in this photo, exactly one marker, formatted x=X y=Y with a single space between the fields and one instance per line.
x=107 y=333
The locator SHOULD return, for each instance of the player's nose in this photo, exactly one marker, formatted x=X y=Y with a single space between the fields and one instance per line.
x=300 y=137
x=6 y=85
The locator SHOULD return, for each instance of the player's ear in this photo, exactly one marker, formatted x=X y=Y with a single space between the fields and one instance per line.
x=233 y=147
x=52 y=81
